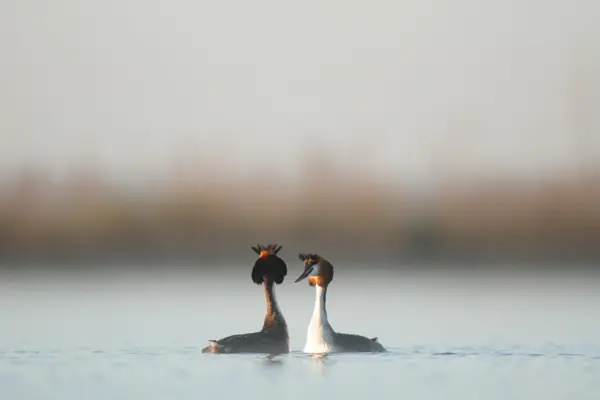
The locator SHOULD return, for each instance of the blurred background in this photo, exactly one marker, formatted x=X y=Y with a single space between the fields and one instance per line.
x=461 y=132
x=145 y=145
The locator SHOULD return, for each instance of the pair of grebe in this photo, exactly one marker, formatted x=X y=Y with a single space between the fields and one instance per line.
x=269 y=269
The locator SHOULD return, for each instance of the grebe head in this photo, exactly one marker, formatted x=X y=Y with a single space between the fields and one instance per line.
x=268 y=266
x=318 y=270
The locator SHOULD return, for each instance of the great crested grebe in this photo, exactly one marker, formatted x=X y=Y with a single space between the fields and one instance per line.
x=321 y=338
x=273 y=339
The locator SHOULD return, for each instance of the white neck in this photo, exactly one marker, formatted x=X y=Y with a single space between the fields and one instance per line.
x=319 y=338
x=320 y=312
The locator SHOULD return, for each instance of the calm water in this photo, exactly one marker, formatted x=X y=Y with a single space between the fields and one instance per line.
x=450 y=336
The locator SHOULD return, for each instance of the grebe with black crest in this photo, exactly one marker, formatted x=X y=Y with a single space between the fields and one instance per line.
x=273 y=338
x=321 y=338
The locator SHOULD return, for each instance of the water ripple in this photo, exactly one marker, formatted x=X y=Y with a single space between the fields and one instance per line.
x=415 y=352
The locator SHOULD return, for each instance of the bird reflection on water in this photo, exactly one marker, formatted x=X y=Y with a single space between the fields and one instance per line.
x=272 y=360
x=318 y=363
x=321 y=363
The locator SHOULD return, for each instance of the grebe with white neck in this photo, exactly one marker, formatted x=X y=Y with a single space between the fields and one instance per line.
x=273 y=338
x=320 y=337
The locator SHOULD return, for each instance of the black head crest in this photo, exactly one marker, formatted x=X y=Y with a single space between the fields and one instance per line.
x=266 y=250
x=312 y=258
x=268 y=266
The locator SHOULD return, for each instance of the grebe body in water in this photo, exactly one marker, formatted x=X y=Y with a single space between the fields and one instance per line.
x=321 y=338
x=273 y=338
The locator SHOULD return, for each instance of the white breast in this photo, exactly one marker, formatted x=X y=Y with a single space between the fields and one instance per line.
x=319 y=339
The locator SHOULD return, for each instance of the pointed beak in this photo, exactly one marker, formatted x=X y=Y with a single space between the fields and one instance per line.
x=304 y=275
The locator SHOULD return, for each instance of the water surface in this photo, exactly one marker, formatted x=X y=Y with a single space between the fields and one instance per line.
x=450 y=335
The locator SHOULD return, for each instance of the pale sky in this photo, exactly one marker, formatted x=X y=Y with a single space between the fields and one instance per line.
x=407 y=86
